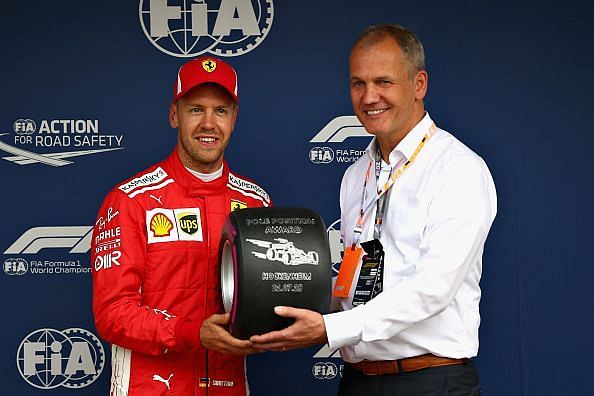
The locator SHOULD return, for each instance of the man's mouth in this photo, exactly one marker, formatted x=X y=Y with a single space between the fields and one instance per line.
x=375 y=112
x=207 y=139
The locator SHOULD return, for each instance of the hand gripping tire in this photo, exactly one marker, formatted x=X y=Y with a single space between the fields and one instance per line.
x=270 y=257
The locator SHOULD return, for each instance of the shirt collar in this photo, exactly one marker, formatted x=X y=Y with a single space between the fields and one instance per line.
x=207 y=177
x=407 y=145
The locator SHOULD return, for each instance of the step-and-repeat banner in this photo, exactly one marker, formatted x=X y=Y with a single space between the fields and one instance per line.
x=85 y=91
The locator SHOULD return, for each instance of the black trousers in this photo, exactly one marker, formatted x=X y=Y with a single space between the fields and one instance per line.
x=455 y=380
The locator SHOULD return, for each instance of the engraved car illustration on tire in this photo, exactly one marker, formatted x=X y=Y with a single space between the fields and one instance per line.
x=285 y=252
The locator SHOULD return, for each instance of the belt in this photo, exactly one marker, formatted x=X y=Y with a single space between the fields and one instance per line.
x=381 y=367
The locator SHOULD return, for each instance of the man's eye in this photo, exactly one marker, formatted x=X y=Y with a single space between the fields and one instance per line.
x=222 y=111
x=384 y=83
x=196 y=110
x=357 y=84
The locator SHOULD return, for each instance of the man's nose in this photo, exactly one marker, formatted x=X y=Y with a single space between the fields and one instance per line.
x=370 y=95
x=208 y=120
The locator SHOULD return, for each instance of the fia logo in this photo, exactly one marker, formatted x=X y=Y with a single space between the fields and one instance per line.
x=15 y=266
x=49 y=358
x=24 y=127
x=325 y=370
x=321 y=155
x=185 y=28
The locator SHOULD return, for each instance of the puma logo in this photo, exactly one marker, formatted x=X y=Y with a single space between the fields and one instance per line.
x=157 y=377
x=156 y=199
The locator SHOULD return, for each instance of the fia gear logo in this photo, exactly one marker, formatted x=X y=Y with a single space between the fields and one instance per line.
x=326 y=370
x=184 y=28
x=15 y=266
x=49 y=358
x=284 y=251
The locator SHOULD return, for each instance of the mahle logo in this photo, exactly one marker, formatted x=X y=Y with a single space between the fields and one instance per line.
x=49 y=358
x=185 y=28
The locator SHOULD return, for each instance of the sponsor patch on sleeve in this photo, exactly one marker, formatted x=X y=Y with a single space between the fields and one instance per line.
x=168 y=225
x=248 y=188
x=151 y=180
x=107 y=231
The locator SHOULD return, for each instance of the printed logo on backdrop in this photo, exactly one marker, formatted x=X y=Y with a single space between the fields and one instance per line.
x=185 y=28
x=331 y=144
x=35 y=252
x=49 y=358
x=324 y=369
x=51 y=142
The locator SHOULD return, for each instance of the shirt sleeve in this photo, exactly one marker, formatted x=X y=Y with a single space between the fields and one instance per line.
x=118 y=259
x=459 y=218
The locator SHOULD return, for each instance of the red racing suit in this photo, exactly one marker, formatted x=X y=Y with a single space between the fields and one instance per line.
x=155 y=270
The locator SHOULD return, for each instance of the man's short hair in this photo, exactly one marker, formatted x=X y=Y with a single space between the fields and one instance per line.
x=411 y=46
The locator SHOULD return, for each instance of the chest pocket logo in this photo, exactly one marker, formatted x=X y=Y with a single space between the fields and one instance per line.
x=161 y=225
x=188 y=223
x=169 y=225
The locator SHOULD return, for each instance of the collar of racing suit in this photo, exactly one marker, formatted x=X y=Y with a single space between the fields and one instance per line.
x=194 y=186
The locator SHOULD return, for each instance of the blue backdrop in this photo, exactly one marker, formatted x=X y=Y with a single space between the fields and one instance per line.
x=85 y=90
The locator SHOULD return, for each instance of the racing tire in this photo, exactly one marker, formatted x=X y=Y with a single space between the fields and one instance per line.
x=254 y=280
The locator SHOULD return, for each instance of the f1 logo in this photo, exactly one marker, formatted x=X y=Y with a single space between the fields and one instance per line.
x=78 y=238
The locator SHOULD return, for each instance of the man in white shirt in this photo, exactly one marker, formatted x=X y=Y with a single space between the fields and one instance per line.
x=409 y=307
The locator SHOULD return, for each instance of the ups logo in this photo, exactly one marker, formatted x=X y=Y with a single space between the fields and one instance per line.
x=188 y=223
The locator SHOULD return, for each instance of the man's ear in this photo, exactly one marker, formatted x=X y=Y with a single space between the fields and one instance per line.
x=173 y=115
x=421 y=81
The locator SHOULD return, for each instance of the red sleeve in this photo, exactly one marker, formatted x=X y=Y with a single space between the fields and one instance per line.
x=118 y=258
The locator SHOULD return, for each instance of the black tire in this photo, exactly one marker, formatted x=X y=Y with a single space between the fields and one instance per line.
x=252 y=284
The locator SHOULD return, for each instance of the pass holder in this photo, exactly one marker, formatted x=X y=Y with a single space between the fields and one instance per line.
x=370 y=282
x=348 y=267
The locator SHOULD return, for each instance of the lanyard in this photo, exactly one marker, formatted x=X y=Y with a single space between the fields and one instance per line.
x=394 y=175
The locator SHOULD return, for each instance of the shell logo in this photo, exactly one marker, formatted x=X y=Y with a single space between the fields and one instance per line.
x=161 y=225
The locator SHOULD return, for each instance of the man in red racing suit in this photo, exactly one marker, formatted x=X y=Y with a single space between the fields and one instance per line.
x=156 y=292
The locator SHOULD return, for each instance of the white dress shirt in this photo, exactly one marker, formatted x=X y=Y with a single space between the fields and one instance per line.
x=436 y=223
